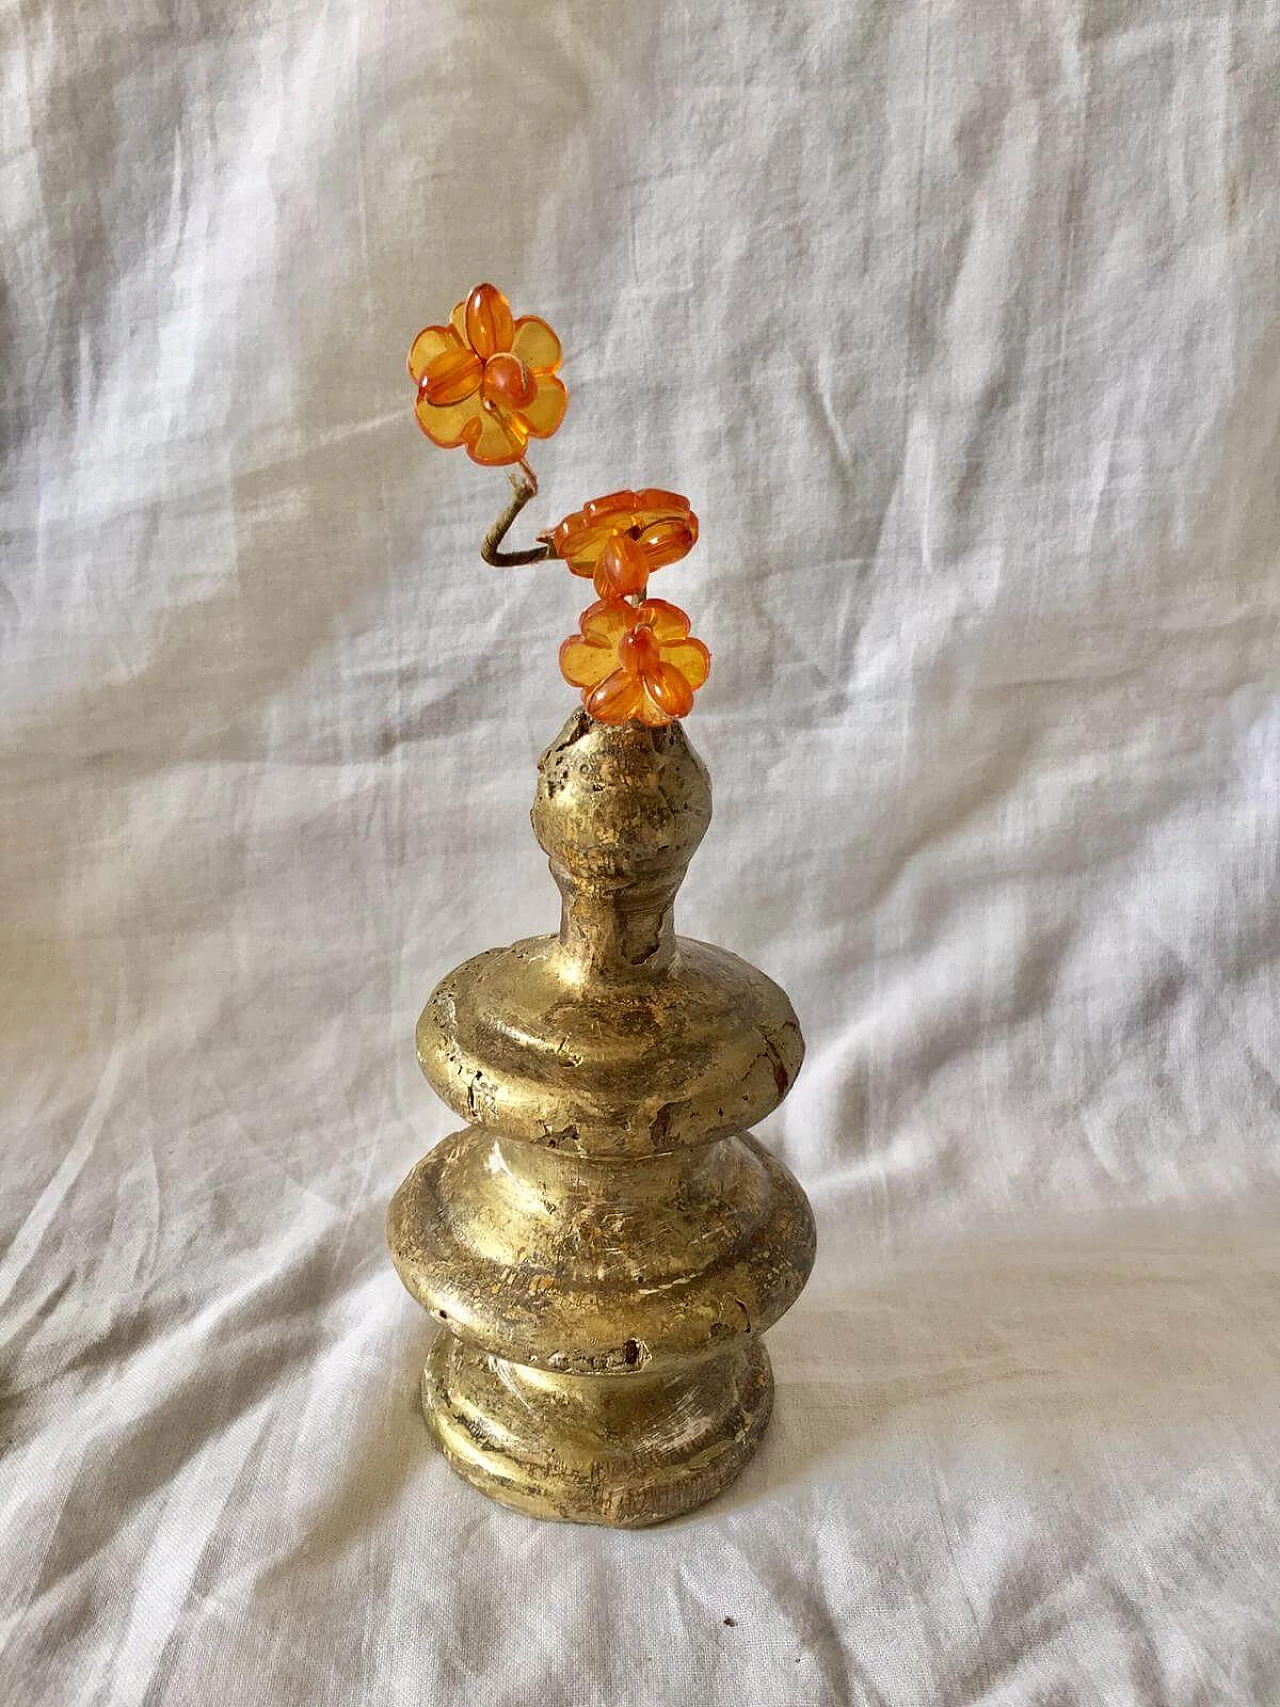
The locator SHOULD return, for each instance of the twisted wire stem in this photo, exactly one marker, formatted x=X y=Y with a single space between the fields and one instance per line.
x=491 y=547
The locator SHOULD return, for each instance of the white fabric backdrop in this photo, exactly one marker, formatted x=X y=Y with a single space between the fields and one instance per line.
x=959 y=325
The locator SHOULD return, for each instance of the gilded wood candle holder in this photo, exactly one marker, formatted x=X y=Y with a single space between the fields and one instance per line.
x=604 y=1243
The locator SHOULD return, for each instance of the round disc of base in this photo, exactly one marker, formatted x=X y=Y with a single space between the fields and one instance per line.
x=623 y=1450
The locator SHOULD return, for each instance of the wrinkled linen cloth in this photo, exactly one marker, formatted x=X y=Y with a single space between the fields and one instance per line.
x=959 y=325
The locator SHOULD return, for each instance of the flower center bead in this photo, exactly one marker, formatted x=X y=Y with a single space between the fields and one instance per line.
x=638 y=651
x=507 y=381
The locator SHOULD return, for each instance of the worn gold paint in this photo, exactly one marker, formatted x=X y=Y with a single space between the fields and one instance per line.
x=604 y=1242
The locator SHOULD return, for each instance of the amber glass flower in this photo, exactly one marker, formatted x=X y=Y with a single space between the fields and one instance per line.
x=488 y=381
x=620 y=540
x=635 y=663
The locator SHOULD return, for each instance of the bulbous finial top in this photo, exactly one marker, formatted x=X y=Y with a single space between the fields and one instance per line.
x=615 y=1037
x=620 y=813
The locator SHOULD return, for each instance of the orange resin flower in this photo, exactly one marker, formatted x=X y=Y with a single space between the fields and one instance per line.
x=488 y=381
x=620 y=540
x=635 y=663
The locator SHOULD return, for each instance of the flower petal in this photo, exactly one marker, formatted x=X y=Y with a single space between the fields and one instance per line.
x=586 y=663
x=508 y=383
x=453 y=375
x=669 y=621
x=501 y=438
x=668 y=690
x=546 y=412
x=607 y=621
x=691 y=658
x=579 y=544
x=488 y=321
x=581 y=537
x=431 y=342
x=618 y=698
x=536 y=344
x=457 y=424
x=612 y=504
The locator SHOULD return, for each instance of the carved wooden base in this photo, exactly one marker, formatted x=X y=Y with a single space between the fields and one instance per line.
x=604 y=1241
